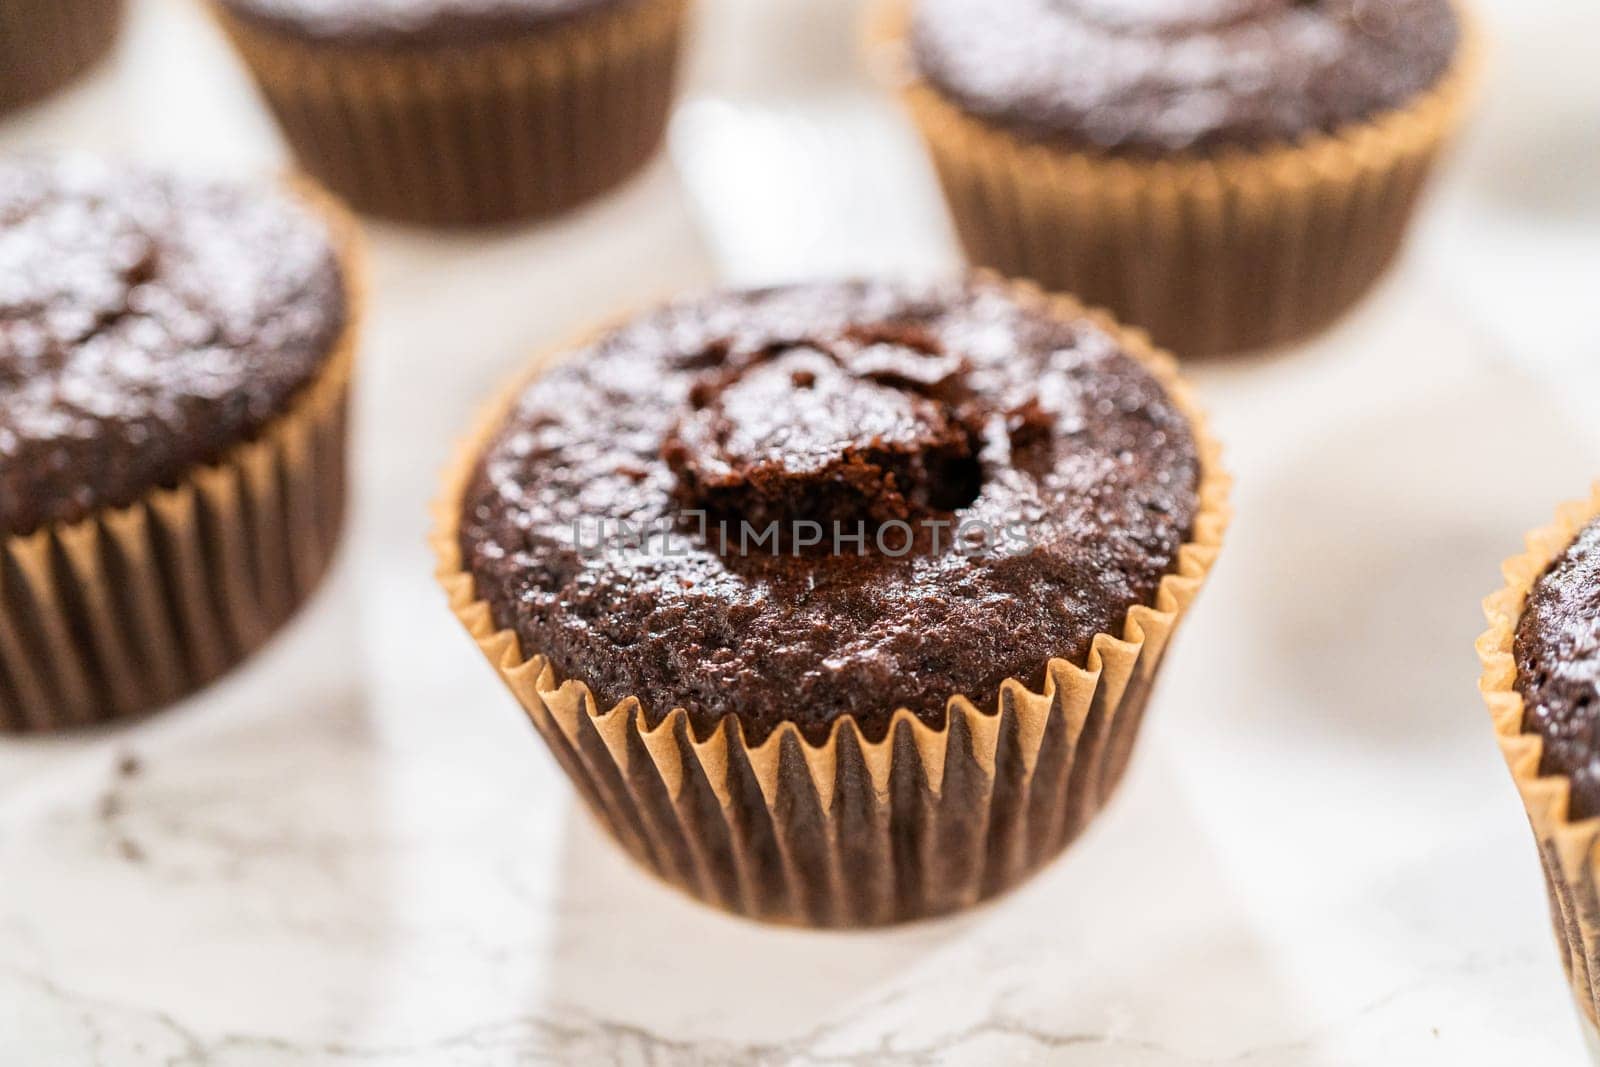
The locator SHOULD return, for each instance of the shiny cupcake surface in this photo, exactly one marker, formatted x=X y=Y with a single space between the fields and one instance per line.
x=1557 y=652
x=407 y=22
x=148 y=322
x=1155 y=77
x=797 y=504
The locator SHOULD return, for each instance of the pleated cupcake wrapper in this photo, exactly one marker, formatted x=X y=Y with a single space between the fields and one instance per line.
x=1210 y=255
x=1569 y=851
x=44 y=44
x=856 y=832
x=457 y=135
x=131 y=609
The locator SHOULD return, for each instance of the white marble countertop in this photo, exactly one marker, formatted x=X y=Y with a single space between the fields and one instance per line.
x=355 y=851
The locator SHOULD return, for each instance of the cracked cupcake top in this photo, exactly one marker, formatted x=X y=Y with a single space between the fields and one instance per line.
x=148 y=323
x=835 y=499
x=1557 y=651
x=1158 y=77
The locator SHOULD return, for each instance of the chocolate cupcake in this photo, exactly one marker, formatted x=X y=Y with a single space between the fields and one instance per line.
x=175 y=355
x=1229 y=175
x=1541 y=678
x=839 y=603
x=465 y=111
x=44 y=44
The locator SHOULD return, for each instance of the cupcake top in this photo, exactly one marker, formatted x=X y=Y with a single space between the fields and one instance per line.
x=404 y=22
x=1157 y=77
x=1557 y=652
x=148 y=322
x=803 y=503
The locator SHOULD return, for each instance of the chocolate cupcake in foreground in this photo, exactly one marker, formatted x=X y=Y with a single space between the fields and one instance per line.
x=839 y=603
x=174 y=360
x=45 y=44
x=1541 y=678
x=1228 y=175
x=460 y=112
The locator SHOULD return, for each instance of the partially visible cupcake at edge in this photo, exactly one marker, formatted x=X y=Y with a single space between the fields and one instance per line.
x=1228 y=174
x=840 y=603
x=175 y=354
x=461 y=112
x=1541 y=678
x=45 y=44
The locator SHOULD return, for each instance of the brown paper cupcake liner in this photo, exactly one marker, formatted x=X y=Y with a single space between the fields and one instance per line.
x=1209 y=254
x=44 y=44
x=461 y=135
x=131 y=609
x=1568 y=850
x=856 y=832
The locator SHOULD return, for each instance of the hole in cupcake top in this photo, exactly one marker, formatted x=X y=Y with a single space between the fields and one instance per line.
x=875 y=425
x=1088 y=487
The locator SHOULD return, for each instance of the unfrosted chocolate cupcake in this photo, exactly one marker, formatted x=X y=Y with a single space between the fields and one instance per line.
x=1226 y=173
x=1558 y=669
x=892 y=414
x=843 y=518
x=44 y=44
x=174 y=354
x=1181 y=76
x=465 y=111
x=1541 y=680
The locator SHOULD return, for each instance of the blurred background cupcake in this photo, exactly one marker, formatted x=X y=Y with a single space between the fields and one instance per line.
x=465 y=111
x=1228 y=175
x=840 y=603
x=44 y=44
x=174 y=373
